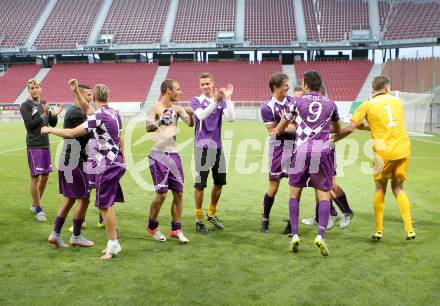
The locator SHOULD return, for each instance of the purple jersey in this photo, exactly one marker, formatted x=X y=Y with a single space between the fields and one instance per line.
x=208 y=132
x=314 y=116
x=271 y=113
x=106 y=125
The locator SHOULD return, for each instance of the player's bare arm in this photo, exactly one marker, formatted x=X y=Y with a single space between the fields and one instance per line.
x=344 y=132
x=285 y=126
x=190 y=113
x=182 y=113
x=65 y=133
x=152 y=124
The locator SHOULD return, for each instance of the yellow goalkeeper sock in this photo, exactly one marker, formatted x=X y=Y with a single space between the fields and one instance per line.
x=405 y=211
x=379 y=205
x=212 y=209
x=199 y=213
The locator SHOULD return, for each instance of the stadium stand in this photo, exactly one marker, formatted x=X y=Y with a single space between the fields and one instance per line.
x=128 y=82
x=384 y=10
x=14 y=81
x=136 y=22
x=198 y=21
x=413 y=75
x=333 y=20
x=17 y=20
x=413 y=20
x=342 y=79
x=69 y=24
x=270 y=22
x=250 y=80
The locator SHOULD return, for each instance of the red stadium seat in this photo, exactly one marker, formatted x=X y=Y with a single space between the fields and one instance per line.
x=18 y=19
x=342 y=79
x=14 y=81
x=128 y=82
x=250 y=80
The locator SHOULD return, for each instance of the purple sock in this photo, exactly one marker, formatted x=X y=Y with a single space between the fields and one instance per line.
x=38 y=208
x=343 y=204
x=176 y=226
x=152 y=224
x=324 y=214
x=333 y=211
x=100 y=219
x=77 y=223
x=267 y=205
x=294 y=215
x=58 y=224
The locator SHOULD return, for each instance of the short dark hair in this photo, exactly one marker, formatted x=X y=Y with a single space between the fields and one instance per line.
x=298 y=88
x=84 y=86
x=379 y=82
x=167 y=84
x=313 y=80
x=276 y=80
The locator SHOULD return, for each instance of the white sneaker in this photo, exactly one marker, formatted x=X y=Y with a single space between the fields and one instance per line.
x=179 y=234
x=80 y=241
x=320 y=243
x=156 y=234
x=56 y=240
x=294 y=243
x=113 y=248
x=308 y=221
x=332 y=220
x=40 y=216
x=345 y=220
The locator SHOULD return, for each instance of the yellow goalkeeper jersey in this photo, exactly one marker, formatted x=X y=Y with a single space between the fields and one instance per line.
x=385 y=116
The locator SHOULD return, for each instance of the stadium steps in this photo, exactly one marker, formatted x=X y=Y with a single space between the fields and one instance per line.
x=41 y=74
x=365 y=92
x=40 y=24
x=99 y=23
x=300 y=21
x=373 y=10
x=291 y=73
x=240 y=16
x=169 y=23
x=154 y=92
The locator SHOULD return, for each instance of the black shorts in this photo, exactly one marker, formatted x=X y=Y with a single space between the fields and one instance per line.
x=209 y=159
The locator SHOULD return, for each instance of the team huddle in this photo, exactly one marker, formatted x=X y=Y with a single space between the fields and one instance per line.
x=303 y=130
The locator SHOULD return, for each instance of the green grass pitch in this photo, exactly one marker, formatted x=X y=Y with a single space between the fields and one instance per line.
x=236 y=266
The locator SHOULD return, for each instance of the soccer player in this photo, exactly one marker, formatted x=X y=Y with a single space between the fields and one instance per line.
x=106 y=125
x=311 y=160
x=36 y=114
x=164 y=160
x=280 y=150
x=338 y=196
x=73 y=181
x=209 y=109
x=385 y=116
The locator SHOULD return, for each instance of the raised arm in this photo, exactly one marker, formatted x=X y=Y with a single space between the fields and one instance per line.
x=85 y=107
x=229 y=112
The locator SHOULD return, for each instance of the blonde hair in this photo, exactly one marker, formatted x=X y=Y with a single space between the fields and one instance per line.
x=33 y=82
x=101 y=92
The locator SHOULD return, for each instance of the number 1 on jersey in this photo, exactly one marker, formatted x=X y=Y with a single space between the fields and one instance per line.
x=391 y=123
